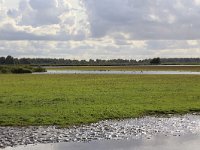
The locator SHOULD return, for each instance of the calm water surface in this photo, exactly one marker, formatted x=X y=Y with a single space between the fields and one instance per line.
x=117 y=72
x=186 y=142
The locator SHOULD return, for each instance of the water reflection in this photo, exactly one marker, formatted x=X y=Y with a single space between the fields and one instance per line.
x=116 y=72
x=186 y=142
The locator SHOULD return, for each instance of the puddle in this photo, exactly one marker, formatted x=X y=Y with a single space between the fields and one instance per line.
x=117 y=72
x=185 y=142
x=115 y=131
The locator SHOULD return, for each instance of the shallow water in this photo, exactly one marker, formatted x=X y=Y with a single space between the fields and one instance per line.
x=139 y=130
x=117 y=72
x=185 y=142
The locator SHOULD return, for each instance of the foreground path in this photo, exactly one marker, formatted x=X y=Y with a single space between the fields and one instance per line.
x=125 y=129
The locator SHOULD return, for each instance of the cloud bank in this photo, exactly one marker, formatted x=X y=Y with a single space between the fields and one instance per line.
x=101 y=28
x=145 y=19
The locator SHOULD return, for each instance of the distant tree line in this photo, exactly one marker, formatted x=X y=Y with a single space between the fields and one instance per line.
x=9 y=60
x=180 y=61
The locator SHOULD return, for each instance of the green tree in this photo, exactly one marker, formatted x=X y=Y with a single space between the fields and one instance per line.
x=2 y=60
x=9 y=60
x=155 y=61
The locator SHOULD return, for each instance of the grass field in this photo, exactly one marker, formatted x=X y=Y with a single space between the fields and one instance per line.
x=76 y=99
x=130 y=68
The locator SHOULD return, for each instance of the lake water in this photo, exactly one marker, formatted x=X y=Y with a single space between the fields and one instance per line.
x=185 y=142
x=117 y=72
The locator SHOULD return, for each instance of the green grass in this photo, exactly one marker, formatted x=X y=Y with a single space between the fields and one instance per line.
x=130 y=68
x=80 y=99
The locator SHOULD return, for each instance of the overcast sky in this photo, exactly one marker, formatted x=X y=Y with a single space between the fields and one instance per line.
x=105 y=29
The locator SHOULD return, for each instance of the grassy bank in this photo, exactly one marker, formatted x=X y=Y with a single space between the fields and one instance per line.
x=129 y=68
x=75 y=99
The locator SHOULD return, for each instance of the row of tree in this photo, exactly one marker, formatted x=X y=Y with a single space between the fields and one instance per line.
x=53 y=61
x=9 y=60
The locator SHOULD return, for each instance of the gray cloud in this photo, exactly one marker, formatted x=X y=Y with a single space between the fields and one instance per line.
x=38 y=13
x=139 y=19
x=145 y=19
x=41 y=5
x=83 y=29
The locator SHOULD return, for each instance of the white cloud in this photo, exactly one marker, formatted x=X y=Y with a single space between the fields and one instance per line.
x=44 y=20
x=197 y=2
x=103 y=48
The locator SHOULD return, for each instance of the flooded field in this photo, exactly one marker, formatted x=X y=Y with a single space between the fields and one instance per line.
x=118 y=72
x=122 y=135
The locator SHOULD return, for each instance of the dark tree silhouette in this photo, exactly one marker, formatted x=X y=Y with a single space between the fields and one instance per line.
x=97 y=62
x=155 y=61
x=2 y=60
x=9 y=60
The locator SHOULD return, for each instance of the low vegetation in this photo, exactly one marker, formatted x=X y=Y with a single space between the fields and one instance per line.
x=67 y=100
x=20 y=69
